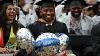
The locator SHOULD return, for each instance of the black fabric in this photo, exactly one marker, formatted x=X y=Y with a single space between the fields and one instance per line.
x=93 y=50
x=75 y=4
x=7 y=1
x=46 y=3
x=68 y=2
x=80 y=42
x=22 y=52
x=96 y=30
x=96 y=45
x=37 y=28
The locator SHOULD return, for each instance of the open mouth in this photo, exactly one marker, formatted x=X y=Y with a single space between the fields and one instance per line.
x=48 y=16
x=11 y=17
x=76 y=13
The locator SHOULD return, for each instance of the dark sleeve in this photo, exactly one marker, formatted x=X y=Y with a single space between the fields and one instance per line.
x=65 y=29
x=96 y=30
x=15 y=26
x=33 y=30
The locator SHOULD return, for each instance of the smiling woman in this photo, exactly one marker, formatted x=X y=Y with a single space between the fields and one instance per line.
x=10 y=13
x=8 y=28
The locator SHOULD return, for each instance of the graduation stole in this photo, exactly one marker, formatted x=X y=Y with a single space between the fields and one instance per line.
x=12 y=42
x=1 y=38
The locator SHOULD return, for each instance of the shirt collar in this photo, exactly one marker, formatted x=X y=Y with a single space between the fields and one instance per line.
x=51 y=23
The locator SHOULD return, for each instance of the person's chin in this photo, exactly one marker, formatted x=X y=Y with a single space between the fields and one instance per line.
x=10 y=19
x=48 y=20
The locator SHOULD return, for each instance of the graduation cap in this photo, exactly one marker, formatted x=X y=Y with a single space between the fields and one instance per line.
x=46 y=3
x=74 y=3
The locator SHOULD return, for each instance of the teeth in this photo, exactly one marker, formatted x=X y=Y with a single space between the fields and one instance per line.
x=48 y=16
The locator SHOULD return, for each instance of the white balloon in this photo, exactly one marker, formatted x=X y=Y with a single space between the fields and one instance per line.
x=25 y=39
x=45 y=36
x=63 y=38
x=47 y=39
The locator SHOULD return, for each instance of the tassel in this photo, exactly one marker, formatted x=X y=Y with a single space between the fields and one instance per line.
x=12 y=43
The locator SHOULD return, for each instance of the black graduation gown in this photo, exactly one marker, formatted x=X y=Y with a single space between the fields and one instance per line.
x=38 y=27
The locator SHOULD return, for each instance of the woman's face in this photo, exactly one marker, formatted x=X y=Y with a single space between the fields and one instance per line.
x=10 y=12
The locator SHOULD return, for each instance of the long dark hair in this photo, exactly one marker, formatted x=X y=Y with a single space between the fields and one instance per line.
x=3 y=16
x=4 y=8
x=4 y=25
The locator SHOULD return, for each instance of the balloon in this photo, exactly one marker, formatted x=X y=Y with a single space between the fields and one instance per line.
x=63 y=38
x=25 y=39
x=47 y=44
x=47 y=39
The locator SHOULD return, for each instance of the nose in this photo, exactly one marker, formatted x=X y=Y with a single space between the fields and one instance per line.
x=12 y=10
x=48 y=12
x=76 y=9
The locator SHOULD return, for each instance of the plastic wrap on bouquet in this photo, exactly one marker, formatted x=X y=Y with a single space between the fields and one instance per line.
x=47 y=44
x=64 y=39
x=25 y=39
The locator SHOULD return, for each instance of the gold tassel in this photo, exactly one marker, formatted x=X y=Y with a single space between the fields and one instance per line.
x=12 y=43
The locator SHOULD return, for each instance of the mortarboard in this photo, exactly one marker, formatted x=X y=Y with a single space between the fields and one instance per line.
x=46 y=3
x=75 y=4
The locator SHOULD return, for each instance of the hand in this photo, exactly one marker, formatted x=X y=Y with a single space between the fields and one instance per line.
x=4 y=50
x=16 y=52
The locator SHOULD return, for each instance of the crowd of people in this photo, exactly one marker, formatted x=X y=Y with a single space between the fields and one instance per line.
x=71 y=17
